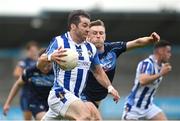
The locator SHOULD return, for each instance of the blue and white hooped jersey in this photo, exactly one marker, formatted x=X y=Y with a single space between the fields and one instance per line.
x=142 y=96
x=73 y=80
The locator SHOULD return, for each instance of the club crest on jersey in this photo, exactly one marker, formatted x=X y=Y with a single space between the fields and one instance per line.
x=79 y=52
x=90 y=53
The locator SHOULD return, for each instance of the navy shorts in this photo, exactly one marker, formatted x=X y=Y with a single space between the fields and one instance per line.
x=85 y=98
x=24 y=103
x=38 y=106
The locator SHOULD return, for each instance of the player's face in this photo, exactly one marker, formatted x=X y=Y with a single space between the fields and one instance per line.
x=97 y=35
x=47 y=68
x=33 y=52
x=166 y=54
x=83 y=28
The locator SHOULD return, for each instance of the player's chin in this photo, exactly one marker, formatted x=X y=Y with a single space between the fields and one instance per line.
x=98 y=44
x=85 y=36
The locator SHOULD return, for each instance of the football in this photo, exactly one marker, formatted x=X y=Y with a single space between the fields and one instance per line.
x=71 y=60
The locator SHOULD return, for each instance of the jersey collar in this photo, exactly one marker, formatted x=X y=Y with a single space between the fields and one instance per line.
x=70 y=39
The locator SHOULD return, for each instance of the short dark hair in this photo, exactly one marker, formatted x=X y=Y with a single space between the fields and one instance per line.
x=162 y=43
x=74 y=17
x=30 y=44
x=41 y=51
x=97 y=23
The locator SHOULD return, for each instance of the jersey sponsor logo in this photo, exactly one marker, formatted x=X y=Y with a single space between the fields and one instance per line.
x=32 y=105
x=39 y=81
x=36 y=74
x=108 y=62
x=84 y=64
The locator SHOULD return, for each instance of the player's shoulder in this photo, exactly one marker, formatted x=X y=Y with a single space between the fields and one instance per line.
x=57 y=40
x=147 y=61
x=61 y=37
x=32 y=69
x=116 y=44
x=113 y=42
x=24 y=61
x=91 y=45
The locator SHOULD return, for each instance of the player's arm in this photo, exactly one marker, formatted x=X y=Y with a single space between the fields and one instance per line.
x=143 y=41
x=102 y=78
x=146 y=78
x=18 y=71
x=17 y=85
x=45 y=59
x=42 y=61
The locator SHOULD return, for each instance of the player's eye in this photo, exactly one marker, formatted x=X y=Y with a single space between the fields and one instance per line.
x=101 y=33
x=85 y=25
x=94 y=33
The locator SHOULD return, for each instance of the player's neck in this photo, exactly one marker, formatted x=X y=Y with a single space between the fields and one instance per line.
x=158 y=59
x=75 y=38
x=101 y=49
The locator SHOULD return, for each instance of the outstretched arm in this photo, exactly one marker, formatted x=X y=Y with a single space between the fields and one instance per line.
x=17 y=85
x=143 y=41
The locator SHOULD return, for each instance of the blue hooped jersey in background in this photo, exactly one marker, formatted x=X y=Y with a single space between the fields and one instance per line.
x=39 y=84
x=93 y=90
x=142 y=96
x=75 y=79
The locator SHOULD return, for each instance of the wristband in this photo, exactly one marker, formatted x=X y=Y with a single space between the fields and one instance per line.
x=49 y=57
x=110 y=88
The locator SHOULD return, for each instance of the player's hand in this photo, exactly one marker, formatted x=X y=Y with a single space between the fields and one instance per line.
x=166 y=68
x=6 y=109
x=114 y=93
x=58 y=54
x=155 y=37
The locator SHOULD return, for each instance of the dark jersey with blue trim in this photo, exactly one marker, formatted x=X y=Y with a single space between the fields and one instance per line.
x=93 y=90
x=26 y=63
x=39 y=84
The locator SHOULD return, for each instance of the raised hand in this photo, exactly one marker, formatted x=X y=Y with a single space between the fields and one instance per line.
x=155 y=37
x=166 y=68
x=114 y=93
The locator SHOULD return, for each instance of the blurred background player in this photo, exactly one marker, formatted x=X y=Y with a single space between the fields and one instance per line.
x=64 y=98
x=149 y=74
x=108 y=54
x=38 y=84
x=32 y=49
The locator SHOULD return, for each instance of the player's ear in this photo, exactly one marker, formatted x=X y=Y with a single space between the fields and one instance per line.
x=73 y=26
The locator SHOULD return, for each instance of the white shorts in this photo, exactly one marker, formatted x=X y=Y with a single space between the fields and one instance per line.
x=57 y=107
x=137 y=113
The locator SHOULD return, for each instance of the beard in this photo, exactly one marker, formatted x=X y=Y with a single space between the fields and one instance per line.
x=99 y=44
x=82 y=36
x=165 y=60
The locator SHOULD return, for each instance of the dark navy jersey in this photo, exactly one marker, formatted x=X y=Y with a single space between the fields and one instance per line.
x=39 y=84
x=93 y=90
x=26 y=63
